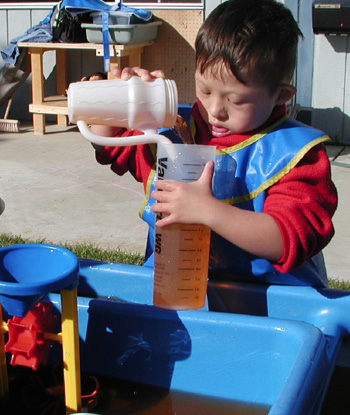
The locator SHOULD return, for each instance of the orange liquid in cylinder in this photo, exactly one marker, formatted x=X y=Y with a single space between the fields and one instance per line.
x=181 y=262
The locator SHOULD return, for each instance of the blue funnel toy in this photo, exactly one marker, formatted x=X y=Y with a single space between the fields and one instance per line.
x=28 y=272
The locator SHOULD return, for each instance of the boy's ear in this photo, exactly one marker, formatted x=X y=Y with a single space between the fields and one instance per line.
x=286 y=93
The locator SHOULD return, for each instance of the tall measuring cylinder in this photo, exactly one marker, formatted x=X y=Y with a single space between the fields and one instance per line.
x=181 y=255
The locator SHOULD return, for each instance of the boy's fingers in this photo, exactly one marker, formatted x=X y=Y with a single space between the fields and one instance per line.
x=126 y=73
x=117 y=71
x=146 y=75
x=207 y=174
x=158 y=74
x=156 y=195
x=167 y=220
x=160 y=196
x=168 y=185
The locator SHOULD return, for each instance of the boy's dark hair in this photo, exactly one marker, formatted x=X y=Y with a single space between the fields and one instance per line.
x=260 y=36
x=102 y=75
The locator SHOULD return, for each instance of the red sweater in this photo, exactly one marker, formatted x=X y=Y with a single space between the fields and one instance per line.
x=302 y=202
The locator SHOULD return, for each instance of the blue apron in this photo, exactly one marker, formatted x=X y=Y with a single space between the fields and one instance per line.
x=242 y=175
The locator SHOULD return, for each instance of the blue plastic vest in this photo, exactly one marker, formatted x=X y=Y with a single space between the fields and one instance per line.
x=242 y=175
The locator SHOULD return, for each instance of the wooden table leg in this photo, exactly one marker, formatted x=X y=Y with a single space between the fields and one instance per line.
x=135 y=57
x=36 y=59
x=61 y=81
x=115 y=61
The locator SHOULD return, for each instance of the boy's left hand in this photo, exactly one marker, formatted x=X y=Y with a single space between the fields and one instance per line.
x=183 y=202
x=126 y=73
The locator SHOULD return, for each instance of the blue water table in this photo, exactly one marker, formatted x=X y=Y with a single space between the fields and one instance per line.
x=256 y=348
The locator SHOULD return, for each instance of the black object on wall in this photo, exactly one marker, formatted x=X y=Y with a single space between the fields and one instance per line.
x=331 y=17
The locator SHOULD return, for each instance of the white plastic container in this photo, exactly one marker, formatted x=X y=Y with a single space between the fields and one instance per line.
x=132 y=104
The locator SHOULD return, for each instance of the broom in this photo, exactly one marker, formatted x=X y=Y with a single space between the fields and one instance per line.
x=6 y=125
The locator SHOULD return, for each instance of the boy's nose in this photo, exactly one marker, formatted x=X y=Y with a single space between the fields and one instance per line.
x=217 y=110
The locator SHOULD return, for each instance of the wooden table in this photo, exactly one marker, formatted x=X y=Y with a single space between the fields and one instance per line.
x=57 y=104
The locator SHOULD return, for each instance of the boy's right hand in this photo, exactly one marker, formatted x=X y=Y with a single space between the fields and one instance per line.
x=2 y=206
x=126 y=73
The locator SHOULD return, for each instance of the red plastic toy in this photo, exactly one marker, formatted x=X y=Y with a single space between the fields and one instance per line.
x=26 y=339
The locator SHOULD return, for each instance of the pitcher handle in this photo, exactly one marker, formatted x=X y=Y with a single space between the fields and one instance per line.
x=149 y=136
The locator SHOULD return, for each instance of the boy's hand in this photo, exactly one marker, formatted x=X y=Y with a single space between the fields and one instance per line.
x=126 y=73
x=2 y=206
x=183 y=202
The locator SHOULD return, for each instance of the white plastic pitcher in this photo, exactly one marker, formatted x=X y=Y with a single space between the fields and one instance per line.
x=133 y=104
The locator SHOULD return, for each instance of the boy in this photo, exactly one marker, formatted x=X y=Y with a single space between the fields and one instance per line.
x=272 y=200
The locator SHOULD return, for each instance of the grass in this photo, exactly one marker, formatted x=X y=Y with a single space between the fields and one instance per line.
x=82 y=250
x=338 y=284
x=89 y=251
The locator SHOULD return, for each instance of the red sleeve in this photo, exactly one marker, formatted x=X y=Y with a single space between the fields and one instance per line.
x=138 y=160
x=303 y=203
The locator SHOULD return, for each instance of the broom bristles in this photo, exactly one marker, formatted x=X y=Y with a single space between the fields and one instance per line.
x=9 y=126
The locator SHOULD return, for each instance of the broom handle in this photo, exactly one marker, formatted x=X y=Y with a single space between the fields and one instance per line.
x=8 y=106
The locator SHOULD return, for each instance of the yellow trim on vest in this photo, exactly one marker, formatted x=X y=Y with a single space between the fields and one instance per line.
x=149 y=180
x=193 y=128
x=279 y=175
x=148 y=190
x=252 y=139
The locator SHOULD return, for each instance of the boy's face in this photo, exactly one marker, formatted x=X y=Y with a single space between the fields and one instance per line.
x=230 y=107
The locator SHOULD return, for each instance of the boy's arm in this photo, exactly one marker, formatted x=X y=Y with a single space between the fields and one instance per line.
x=303 y=204
x=138 y=160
